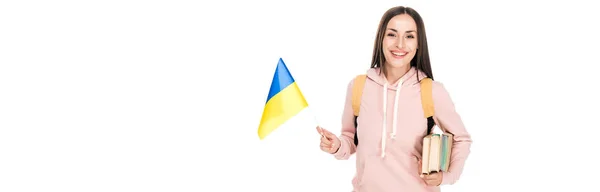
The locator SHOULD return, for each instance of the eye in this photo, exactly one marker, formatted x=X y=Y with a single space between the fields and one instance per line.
x=410 y=36
x=391 y=35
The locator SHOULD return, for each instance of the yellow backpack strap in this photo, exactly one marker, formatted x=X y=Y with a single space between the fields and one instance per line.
x=426 y=97
x=427 y=103
x=357 y=90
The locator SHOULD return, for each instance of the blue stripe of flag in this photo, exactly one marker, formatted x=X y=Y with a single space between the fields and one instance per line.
x=281 y=79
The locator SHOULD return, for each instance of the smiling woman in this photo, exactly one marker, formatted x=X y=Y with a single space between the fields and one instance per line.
x=400 y=33
x=400 y=80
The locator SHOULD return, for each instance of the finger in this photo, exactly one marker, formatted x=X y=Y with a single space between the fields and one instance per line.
x=330 y=135
x=326 y=145
x=326 y=133
x=432 y=177
x=326 y=149
x=427 y=176
x=325 y=141
x=433 y=182
x=428 y=182
x=320 y=130
x=420 y=168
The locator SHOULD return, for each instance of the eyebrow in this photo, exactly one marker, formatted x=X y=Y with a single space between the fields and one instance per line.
x=409 y=31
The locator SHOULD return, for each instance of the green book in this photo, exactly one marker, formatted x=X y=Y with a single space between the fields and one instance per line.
x=444 y=152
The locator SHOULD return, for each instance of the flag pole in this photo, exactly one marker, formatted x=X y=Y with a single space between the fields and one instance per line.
x=314 y=116
x=315 y=119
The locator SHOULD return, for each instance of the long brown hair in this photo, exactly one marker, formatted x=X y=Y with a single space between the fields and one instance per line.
x=421 y=59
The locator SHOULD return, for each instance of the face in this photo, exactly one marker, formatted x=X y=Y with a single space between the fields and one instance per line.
x=400 y=41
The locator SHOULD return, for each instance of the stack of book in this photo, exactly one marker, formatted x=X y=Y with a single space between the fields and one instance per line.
x=436 y=153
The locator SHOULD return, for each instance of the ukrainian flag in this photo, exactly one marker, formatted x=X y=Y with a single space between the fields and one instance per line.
x=285 y=100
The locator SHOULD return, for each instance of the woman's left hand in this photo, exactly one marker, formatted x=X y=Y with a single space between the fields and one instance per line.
x=434 y=179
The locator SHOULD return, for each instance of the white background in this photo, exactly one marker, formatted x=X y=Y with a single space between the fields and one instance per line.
x=168 y=95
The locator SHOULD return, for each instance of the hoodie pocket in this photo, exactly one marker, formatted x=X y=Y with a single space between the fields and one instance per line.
x=369 y=171
x=362 y=171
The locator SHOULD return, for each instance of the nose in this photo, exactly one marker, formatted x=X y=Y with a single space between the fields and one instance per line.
x=400 y=43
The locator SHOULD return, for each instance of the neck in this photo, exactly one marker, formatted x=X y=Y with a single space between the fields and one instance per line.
x=394 y=74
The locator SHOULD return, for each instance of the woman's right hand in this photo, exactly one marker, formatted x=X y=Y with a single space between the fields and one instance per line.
x=329 y=142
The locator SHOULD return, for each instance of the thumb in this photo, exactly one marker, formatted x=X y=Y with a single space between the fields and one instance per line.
x=328 y=134
x=320 y=130
x=420 y=168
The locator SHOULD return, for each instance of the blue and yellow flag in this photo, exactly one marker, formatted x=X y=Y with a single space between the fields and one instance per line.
x=285 y=100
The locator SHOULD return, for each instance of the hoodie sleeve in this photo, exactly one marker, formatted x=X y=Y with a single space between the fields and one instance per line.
x=450 y=120
x=347 y=147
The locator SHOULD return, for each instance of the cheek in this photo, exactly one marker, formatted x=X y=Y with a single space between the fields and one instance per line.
x=387 y=43
x=413 y=46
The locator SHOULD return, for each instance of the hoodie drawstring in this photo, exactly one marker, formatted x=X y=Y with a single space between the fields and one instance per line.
x=394 y=119
x=384 y=124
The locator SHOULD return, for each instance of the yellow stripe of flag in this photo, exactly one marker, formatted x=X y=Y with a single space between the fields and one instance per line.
x=284 y=101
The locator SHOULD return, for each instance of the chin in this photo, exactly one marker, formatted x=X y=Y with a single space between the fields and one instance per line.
x=397 y=64
x=400 y=67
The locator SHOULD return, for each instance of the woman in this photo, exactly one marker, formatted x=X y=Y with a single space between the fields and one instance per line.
x=391 y=124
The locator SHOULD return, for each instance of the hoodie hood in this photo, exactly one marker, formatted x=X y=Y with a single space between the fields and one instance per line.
x=411 y=78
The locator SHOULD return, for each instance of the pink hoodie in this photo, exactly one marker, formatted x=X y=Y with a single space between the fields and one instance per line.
x=396 y=167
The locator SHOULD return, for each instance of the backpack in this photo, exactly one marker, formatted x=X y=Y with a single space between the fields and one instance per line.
x=426 y=102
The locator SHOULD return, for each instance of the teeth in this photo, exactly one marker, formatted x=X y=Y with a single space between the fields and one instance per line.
x=398 y=54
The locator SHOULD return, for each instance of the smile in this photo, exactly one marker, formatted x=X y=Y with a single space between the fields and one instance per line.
x=399 y=55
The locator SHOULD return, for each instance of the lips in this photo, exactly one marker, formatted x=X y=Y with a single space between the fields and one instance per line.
x=399 y=54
